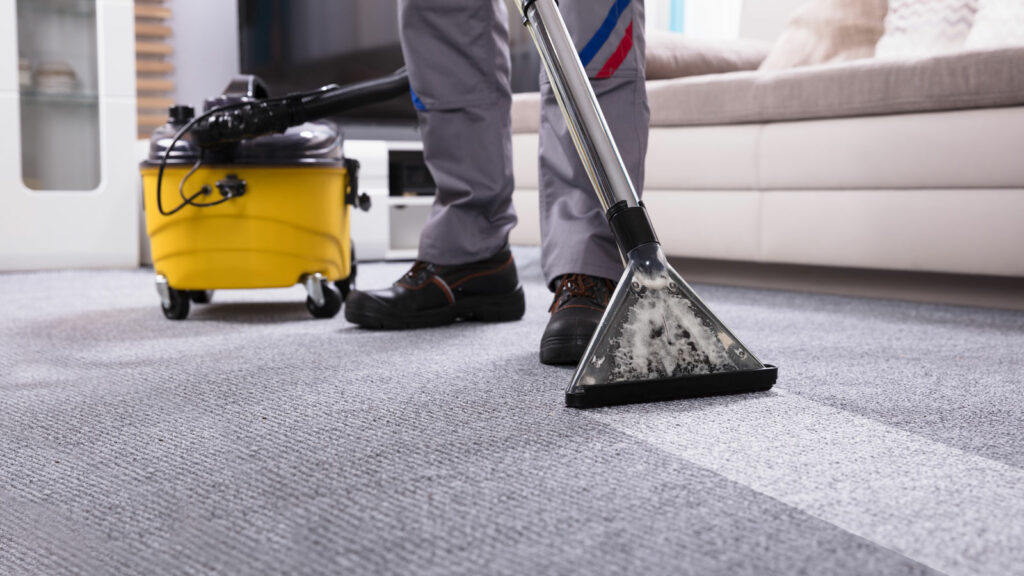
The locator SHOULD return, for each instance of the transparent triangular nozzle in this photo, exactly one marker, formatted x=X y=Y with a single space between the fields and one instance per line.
x=659 y=341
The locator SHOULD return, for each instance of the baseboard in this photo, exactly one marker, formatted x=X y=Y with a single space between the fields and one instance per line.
x=957 y=289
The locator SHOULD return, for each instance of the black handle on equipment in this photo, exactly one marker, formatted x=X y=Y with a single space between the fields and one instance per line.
x=353 y=196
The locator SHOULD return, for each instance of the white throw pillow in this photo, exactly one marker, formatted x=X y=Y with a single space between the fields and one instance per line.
x=997 y=23
x=923 y=27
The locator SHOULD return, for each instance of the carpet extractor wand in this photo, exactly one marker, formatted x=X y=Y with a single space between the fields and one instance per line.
x=657 y=339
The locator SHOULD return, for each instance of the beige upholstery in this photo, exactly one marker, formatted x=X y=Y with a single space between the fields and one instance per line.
x=825 y=31
x=868 y=87
x=939 y=191
x=703 y=158
x=956 y=231
x=901 y=165
x=871 y=87
x=673 y=55
x=669 y=55
x=526 y=112
x=964 y=149
x=699 y=158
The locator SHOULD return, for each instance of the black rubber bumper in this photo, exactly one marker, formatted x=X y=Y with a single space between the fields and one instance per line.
x=673 y=388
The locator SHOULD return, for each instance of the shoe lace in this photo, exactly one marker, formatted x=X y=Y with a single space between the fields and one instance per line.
x=419 y=267
x=573 y=286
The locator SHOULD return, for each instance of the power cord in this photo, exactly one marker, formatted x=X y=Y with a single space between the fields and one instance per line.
x=190 y=200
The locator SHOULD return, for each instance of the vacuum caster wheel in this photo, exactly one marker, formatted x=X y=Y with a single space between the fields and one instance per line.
x=178 y=307
x=323 y=300
x=201 y=296
x=331 y=305
x=174 y=303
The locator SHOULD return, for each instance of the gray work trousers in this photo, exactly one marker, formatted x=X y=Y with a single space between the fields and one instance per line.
x=457 y=55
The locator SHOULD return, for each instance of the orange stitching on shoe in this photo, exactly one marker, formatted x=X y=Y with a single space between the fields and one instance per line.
x=444 y=287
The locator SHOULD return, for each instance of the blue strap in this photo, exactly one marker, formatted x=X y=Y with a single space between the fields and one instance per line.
x=602 y=34
x=416 y=102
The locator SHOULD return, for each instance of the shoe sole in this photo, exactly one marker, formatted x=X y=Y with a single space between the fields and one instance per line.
x=562 y=350
x=505 y=308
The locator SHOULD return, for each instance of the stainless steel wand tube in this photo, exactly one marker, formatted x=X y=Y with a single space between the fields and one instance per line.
x=579 y=105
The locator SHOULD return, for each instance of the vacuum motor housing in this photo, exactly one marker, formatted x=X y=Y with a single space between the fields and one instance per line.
x=286 y=209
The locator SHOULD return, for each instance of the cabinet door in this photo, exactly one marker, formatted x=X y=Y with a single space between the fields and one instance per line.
x=69 y=197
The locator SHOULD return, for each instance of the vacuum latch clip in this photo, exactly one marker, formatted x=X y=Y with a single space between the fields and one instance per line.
x=231 y=186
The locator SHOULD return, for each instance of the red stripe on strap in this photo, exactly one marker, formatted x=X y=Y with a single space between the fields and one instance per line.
x=619 y=56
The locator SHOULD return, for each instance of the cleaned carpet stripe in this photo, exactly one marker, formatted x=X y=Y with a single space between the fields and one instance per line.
x=952 y=511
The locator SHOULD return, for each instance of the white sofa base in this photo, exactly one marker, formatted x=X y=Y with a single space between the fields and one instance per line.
x=937 y=192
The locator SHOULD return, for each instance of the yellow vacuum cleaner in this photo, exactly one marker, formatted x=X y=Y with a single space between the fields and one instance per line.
x=227 y=210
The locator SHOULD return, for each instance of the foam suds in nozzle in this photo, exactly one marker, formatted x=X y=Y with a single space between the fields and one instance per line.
x=664 y=336
x=658 y=328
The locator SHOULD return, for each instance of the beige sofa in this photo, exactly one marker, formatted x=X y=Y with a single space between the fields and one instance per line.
x=906 y=164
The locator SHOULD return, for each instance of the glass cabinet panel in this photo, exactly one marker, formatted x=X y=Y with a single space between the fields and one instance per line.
x=60 y=133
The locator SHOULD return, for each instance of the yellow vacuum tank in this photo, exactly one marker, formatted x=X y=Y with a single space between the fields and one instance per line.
x=264 y=213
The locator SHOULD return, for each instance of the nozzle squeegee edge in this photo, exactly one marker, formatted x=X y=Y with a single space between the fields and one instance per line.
x=695 y=386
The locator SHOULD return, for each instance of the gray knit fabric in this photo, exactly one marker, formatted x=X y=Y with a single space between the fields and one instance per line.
x=251 y=439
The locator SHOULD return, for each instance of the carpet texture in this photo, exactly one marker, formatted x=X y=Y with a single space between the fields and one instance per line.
x=251 y=439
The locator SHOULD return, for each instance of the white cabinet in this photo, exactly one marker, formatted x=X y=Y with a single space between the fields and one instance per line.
x=68 y=177
x=390 y=230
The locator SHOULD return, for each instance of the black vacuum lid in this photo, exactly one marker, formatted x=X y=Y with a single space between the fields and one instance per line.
x=312 y=143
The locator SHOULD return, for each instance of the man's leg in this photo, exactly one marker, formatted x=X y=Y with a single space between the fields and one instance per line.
x=457 y=55
x=579 y=258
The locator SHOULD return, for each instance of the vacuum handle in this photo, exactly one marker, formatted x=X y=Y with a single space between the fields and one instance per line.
x=584 y=118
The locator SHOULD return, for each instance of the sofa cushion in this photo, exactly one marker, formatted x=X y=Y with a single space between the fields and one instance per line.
x=997 y=23
x=963 y=80
x=669 y=55
x=920 y=27
x=825 y=31
x=866 y=87
x=673 y=55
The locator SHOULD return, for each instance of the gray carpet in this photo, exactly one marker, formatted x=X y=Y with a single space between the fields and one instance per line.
x=251 y=439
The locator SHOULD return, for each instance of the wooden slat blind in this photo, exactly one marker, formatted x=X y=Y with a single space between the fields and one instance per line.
x=150 y=48
x=155 y=72
x=153 y=67
x=146 y=30
x=152 y=9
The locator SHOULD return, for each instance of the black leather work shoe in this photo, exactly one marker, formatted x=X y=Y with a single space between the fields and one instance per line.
x=434 y=295
x=579 y=303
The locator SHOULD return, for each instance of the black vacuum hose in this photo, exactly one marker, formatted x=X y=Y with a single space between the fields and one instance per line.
x=337 y=99
x=275 y=115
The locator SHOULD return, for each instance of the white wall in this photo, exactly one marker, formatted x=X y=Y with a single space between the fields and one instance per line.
x=657 y=14
x=724 y=19
x=719 y=19
x=206 y=47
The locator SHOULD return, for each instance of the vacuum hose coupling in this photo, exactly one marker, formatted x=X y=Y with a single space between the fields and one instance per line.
x=249 y=120
x=631 y=226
